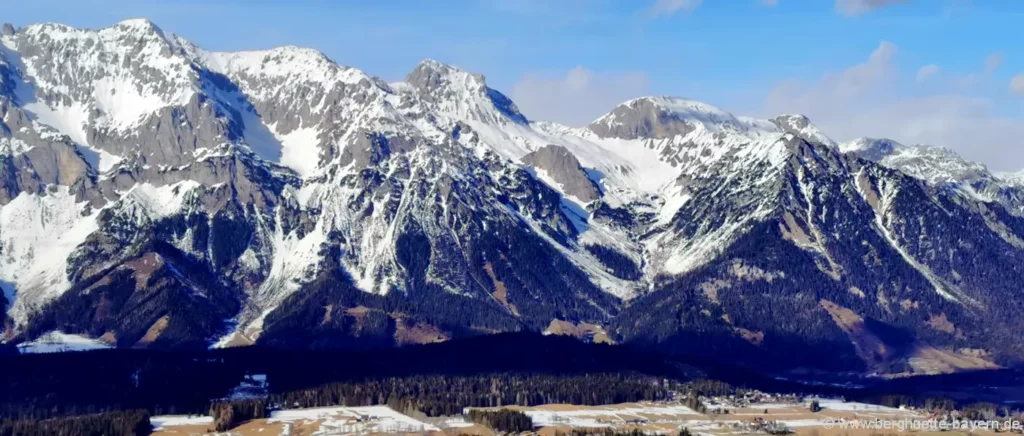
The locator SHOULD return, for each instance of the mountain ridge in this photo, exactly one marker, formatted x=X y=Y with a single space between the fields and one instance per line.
x=208 y=198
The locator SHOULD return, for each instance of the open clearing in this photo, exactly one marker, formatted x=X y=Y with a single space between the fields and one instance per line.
x=651 y=417
x=669 y=418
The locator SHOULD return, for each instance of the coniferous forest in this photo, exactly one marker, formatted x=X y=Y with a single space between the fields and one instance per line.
x=119 y=423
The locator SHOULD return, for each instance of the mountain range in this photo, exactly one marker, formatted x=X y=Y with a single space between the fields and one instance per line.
x=158 y=195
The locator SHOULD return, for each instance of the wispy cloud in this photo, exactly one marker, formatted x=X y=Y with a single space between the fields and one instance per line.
x=994 y=61
x=1017 y=84
x=927 y=72
x=853 y=8
x=864 y=100
x=669 y=7
x=991 y=64
x=577 y=97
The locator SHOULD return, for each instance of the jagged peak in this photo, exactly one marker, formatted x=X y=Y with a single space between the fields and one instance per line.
x=934 y=164
x=873 y=149
x=657 y=117
x=462 y=93
x=680 y=106
x=865 y=141
x=801 y=125
x=294 y=51
x=662 y=117
x=134 y=26
x=122 y=36
x=285 y=61
x=1016 y=178
x=430 y=75
x=49 y=26
x=800 y=117
x=797 y=121
x=435 y=64
x=137 y=24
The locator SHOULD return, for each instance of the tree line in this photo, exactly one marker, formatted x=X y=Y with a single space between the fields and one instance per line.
x=227 y=414
x=449 y=395
x=504 y=420
x=118 y=423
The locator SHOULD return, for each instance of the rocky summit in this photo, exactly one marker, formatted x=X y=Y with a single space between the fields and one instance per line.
x=158 y=195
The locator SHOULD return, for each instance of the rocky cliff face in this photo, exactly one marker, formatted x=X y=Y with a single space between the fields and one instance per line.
x=565 y=171
x=155 y=194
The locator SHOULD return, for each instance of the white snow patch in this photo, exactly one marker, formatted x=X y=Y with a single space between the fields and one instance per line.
x=59 y=342
x=38 y=233
x=163 y=201
x=13 y=146
x=700 y=250
x=101 y=160
x=67 y=120
x=223 y=341
x=605 y=416
x=122 y=104
x=161 y=422
x=352 y=420
x=300 y=150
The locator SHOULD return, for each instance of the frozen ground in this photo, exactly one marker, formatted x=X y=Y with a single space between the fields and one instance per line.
x=56 y=342
x=349 y=420
x=668 y=418
x=609 y=416
x=162 y=422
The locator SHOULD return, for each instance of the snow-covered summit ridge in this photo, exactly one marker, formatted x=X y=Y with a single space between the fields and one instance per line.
x=283 y=62
x=658 y=187
x=110 y=78
x=461 y=94
x=663 y=117
x=659 y=117
x=930 y=163
x=1016 y=178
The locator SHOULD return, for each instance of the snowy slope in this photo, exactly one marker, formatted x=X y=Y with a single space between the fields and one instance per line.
x=58 y=342
x=256 y=189
x=941 y=166
x=39 y=233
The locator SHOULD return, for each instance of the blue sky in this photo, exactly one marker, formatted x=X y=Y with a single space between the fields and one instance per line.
x=935 y=71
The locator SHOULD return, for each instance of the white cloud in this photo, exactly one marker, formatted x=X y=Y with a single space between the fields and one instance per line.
x=927 y=72
x=669 y=7
x=841 y=87
x=852 y=8
x=993 y=61
x=864 y=100
x=577 y=97
x=770 y=2
x=1017 y=84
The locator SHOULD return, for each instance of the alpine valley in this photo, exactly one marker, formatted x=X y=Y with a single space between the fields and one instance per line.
x=158 y=195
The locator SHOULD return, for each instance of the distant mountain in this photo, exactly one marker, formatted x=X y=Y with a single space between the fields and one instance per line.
x=941 y=166
x=158 y=195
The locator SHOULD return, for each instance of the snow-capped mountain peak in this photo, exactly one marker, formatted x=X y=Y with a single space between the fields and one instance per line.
x=280 y=197
x=116 y=76
x=801 y=126
x=873 y=149
x=290 y=62
x=461 y=94
x=1016 y=178
x=664 y=117
x=931 y=163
